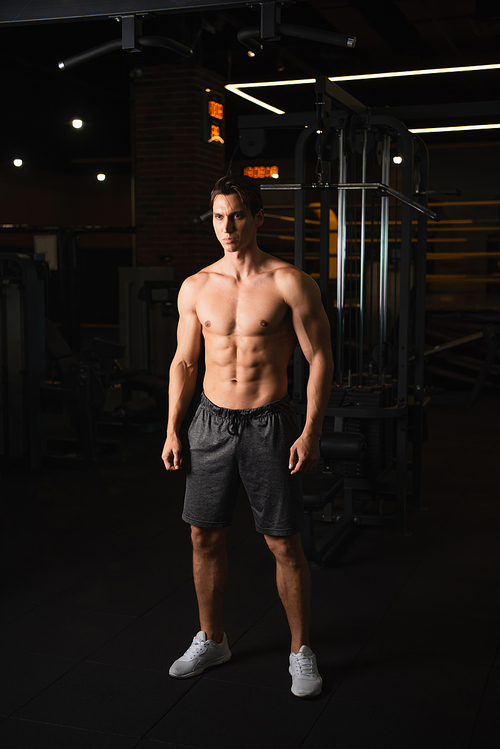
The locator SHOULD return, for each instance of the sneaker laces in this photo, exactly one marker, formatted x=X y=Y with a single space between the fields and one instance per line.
x=304 y=665
x=197 y=647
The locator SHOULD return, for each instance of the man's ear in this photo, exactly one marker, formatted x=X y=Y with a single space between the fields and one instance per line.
x=259 y=217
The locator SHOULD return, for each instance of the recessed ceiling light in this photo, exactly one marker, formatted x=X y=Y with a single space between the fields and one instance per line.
x=18 y=162
x=77 y=124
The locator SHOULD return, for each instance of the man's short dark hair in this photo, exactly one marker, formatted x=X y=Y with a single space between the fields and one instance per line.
x=247 y=189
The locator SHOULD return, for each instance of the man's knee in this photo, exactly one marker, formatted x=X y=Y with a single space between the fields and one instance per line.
x=286 y=549
x=208 y=539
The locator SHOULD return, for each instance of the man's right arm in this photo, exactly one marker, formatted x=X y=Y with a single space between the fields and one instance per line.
x=183 y=372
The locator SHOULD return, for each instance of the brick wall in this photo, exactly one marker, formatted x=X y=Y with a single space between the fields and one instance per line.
x=174 y=169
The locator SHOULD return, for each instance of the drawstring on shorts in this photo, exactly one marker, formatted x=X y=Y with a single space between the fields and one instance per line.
x=238 y=418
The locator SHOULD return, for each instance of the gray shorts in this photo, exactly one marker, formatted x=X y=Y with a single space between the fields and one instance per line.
x=250 y=446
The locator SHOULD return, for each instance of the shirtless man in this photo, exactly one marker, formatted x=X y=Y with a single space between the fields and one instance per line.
x=251 y=309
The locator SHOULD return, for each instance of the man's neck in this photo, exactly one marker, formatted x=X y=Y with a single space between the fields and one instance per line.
x=244 y=263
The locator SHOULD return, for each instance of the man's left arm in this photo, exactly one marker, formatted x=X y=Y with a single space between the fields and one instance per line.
x=312 y=328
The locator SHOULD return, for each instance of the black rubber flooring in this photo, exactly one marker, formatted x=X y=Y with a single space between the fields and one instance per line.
x=98 y=600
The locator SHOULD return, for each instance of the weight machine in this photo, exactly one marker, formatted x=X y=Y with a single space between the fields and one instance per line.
x=372 y=282
x=43 y=369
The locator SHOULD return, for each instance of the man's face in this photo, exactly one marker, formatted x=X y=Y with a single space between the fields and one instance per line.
x=234 y=225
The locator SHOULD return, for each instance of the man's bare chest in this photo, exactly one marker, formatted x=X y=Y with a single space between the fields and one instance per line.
x=225 y=310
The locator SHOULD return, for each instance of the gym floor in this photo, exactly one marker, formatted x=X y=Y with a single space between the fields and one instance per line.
x=99 y=601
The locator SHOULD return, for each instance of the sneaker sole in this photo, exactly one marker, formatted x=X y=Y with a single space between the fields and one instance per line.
x=306 y=696
x=218 y=662
x=316 y=692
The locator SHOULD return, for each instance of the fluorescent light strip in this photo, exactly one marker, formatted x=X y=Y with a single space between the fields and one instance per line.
x=297 y=82
x=233 y=87
x=455 y=129
x=404 y=73
x=236 y=87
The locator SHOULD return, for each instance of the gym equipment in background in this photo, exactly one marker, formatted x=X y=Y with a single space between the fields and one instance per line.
x=372 y=282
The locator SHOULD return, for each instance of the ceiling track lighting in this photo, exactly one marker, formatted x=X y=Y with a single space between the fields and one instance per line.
x=131 y=41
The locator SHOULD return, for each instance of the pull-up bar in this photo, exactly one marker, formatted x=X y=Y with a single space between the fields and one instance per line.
x=131 y=41
x=271 y=30
x=249 y=36
x=376 y=186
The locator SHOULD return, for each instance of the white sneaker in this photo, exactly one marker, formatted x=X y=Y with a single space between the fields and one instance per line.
x=306 y=681
x=199 y=655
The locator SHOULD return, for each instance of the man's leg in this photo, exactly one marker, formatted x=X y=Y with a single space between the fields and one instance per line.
x=293 y=579
x=210 y=570
x=294 y=586
x=209 y=646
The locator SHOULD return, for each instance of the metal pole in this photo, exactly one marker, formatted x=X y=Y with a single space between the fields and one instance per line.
x=384 y=258
x=324 y=245
x=299 y=368
x=341 y=249
x=405 y=142
x=300 y=199
x=362 y=261
x=419 y=372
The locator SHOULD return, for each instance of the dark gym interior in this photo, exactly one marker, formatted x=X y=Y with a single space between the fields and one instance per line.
x=118 y=118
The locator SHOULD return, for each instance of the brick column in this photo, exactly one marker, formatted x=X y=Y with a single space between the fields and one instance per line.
x=175 y=169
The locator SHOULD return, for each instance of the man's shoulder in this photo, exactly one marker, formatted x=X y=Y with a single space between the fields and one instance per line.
x=192 y=287
x=297 y=289
x=292 y=280
x=287 y=272
x=194 y=282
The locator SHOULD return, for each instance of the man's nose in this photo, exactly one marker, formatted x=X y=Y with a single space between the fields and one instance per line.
x=228 y=224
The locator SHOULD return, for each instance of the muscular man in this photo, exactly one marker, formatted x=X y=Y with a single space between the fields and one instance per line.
x=251 y=309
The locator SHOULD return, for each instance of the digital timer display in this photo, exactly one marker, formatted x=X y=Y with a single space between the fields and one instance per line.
x=261 y=172
x=215 y=109
x=215 y=136
x=213 y=118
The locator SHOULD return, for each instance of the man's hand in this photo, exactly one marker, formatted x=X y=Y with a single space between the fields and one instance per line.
x=172 y=453
x=304 y=454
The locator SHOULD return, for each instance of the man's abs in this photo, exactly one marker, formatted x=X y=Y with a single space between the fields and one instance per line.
x=249 y=339
x=246 y=373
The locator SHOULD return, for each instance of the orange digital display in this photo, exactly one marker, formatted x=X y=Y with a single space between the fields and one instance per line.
x=215 y=110
x=260 y=172
x=213 y=118
x=215 y=134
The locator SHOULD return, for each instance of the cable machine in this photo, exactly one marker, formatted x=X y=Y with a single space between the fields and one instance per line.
x=373 y=288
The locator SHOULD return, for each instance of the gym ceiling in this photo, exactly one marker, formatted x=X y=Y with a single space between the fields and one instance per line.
x=40 y=99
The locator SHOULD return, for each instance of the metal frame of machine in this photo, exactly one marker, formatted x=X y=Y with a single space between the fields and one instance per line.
x=378 y=391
